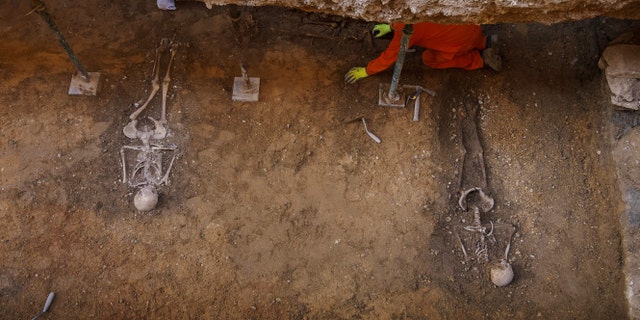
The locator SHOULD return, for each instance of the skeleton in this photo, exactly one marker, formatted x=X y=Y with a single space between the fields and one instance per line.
x=482 y=237
x=149 y=172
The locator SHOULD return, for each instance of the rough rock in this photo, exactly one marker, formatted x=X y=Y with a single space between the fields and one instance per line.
x=621 y=64
x=447 y=11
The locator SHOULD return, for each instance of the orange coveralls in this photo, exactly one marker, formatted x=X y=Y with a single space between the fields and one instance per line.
x=448 y=46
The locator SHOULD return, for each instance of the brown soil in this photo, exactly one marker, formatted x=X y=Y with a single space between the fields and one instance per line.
x=280 y=209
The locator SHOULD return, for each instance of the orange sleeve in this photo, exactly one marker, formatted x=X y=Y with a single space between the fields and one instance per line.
x=389 y=56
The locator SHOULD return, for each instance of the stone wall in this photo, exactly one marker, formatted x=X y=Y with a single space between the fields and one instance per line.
x=457 y=11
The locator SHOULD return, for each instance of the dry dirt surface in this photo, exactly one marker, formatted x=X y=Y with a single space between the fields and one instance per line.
x=282 y=209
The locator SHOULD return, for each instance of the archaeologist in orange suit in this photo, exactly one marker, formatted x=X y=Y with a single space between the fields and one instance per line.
x=447 y=46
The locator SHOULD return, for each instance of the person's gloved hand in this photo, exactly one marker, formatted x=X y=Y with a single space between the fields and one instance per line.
x=355 y=74
x=380 y=30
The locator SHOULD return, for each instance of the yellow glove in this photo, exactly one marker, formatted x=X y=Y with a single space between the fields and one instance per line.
x=355 y=74
x=380 y=30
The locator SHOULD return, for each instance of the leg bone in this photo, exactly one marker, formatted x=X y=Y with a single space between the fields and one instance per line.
x=165 y=84
x=480 y=159
x=124 y=166
x=155 y=83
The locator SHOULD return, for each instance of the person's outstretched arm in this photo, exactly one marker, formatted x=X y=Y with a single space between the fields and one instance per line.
x=389 y=56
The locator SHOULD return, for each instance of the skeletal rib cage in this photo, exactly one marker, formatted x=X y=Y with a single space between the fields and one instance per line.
x=150 y=166
x=486 y=240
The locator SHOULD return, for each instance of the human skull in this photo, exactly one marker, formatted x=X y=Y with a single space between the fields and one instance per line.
x=501 y=273
x=146 y=198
